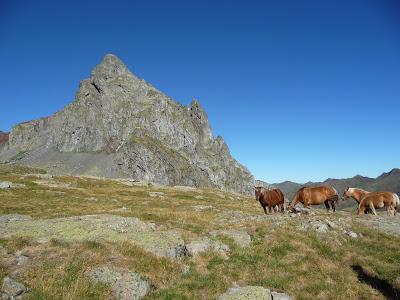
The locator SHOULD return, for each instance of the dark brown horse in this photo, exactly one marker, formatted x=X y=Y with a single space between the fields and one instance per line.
x=270 y=198
x=315 y=196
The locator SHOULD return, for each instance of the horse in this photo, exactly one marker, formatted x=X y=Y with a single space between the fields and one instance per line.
x=378 y=200
x=357 y=194
x=315 y=196
x=270 y=198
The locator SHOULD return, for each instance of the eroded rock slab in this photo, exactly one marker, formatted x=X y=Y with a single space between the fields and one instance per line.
x=246 y=293
x=96 y=227
x=241 y=237
x=12 y=288
x=125 y=284
x=205 y=244
x=5 y=185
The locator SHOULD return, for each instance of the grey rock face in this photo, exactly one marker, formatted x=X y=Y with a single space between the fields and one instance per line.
x=280 y=296
x=205 y=244
x=5 y=185
x=121 y=126
x=125 y=285
x=245 y=293
x=12 y=288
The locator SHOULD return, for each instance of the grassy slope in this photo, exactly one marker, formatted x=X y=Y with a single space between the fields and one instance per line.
x=304 y=264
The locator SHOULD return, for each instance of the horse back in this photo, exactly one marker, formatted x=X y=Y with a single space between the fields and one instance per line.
x=273 y=197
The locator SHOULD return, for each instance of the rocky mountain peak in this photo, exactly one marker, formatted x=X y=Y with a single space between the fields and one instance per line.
x=121 y=126
x=112 y=66
x=392 y=172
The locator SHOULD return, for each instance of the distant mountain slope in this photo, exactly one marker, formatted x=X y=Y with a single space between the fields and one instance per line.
x=389 y=181
x=121 y=126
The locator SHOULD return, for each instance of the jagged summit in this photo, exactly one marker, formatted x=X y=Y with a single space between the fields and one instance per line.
x=121 y=126
x=110 y=67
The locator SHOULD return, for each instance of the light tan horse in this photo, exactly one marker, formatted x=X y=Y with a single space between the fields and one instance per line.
x=315 y=196
x=357 y=194
x=378 y=200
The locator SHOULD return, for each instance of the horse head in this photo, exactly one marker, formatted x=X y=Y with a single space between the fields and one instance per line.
x=347 y=193
x=257 y=192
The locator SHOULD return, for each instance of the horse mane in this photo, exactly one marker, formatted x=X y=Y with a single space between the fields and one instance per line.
x=358 y=189
x=301 y=189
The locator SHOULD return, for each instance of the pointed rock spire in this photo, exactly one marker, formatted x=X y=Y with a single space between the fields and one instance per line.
x=111 y=66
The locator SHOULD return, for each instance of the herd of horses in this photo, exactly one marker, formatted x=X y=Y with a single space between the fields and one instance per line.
x=273 y=199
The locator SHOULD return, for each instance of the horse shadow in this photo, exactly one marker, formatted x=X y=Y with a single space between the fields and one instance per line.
x=383 y=286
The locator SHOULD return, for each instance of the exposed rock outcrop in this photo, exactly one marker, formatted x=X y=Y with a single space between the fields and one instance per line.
x=167 y=243
x=121 y=126
x=125 y=284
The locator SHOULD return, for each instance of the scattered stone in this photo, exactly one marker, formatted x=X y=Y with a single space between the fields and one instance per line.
x=185 y=269
x=12 y=288
x=21 y=259
x=280 y=296
x=125 y=284
x=14 y=218
x=184 y=188
x=205 y=244
x=352 y=234
x=246 y=293
x=5 y=185
x=199 y=197
x=302 y=210
x=331 y=224
x=322 y=228
x=156 y=194
x=241 y=237
x=202 y=207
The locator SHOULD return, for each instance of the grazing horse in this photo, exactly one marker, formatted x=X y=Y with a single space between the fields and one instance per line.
x=270 y=198
x=357 y=194
x=378 y=200
x=315 y=196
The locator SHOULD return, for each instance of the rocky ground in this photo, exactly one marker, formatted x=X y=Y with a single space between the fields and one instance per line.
x=89 y=238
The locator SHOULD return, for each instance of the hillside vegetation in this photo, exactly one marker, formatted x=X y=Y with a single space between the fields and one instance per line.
x=186 y=243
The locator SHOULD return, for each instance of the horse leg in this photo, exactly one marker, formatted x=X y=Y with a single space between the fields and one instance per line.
x=270 y=209
x=305 y=204
x=327 y=205
x=372 y=208
x=333 y=206
x=265 y=211
x=390 y=210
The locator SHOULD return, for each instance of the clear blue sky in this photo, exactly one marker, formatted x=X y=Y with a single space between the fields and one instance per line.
x=300 y=90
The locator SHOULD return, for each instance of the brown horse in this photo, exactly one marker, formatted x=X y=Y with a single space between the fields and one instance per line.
x=270 y=198
x=357 y=194
x=315 y=196
x=378 y=200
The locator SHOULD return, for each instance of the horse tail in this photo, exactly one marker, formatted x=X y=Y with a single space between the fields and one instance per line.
x=335 y=196
x=396 y=201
